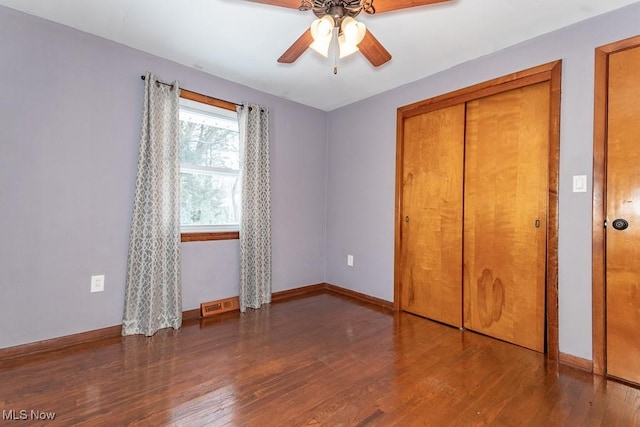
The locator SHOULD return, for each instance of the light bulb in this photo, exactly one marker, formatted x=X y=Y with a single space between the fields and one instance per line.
x=346 y=48
x=353 y=30
x=322 y=28
x=321 y=46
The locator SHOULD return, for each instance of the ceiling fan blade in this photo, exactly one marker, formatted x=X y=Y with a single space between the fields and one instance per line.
x=382 y=6
x=373 y=50
x=297 y=48
x=293 y=4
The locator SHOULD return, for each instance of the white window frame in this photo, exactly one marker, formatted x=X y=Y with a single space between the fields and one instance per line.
x=225 y=112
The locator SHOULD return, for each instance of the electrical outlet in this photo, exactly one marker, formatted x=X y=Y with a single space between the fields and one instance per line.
x=97 y=283
x=350 y=260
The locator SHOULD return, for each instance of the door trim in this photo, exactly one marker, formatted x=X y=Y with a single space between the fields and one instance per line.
x=599 y=196
x=547 y=72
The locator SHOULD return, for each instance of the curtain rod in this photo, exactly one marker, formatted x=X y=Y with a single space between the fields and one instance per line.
x=218 y=99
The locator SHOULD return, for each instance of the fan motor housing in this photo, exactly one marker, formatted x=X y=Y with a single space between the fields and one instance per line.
x=338 y=9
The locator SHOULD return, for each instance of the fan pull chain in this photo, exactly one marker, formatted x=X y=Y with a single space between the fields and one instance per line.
x=336 y=50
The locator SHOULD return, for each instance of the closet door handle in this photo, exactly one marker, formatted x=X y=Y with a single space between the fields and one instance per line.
x=620 y=224
x=537 y=223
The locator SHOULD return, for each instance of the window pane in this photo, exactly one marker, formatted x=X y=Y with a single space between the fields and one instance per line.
x=209 y=199
x=208 y=140
x=209 y=167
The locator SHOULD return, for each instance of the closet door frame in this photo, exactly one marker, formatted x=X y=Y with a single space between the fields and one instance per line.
x=550 y=72
x=599 y=198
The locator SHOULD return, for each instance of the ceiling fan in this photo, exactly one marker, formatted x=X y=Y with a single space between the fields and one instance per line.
x=336 y=24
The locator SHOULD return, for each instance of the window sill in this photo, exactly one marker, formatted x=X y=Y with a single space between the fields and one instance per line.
x=203 y=237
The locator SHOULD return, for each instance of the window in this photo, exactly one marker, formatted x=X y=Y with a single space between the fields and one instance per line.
x=209 y=168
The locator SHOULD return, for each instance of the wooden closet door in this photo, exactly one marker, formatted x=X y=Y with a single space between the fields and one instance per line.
x=505 y=207
x=431 y=239
x=623 y=202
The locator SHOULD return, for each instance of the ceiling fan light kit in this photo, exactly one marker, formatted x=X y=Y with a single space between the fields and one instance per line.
x=352 y=34
x=322 y=32
x=353 y=30
x=336 y=22
x=347 y=31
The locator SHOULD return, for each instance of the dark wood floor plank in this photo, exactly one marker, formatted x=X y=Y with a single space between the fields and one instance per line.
x=316 y=360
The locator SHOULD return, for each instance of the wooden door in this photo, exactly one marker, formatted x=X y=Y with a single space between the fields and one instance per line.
x=505 y=215
x=431 y=240
x=623 y=202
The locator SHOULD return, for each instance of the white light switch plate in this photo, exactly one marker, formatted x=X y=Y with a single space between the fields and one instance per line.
x=580 y=183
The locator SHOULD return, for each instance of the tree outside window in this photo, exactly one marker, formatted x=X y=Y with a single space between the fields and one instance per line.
x=209 y=168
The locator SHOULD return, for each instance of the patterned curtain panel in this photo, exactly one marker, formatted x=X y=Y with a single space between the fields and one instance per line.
x=153 y=293
x=255 y=225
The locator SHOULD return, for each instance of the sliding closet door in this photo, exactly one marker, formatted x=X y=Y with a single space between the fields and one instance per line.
x=505 y=215
x=431 y=230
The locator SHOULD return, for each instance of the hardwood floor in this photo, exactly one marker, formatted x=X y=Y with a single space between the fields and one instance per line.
x=321 y=359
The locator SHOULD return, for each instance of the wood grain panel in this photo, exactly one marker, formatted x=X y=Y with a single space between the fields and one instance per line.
x=55 y=344
x=316 y=361
x=373 y=50
x=506 y=185
x=599 y=189
x=66 y=341
x=623 y=201
x=550 y=72
x=576 y=362
x=530 y=76
x=297 y=48
x=204 y=236
x=431 y=257
x=292 y=4
x=382 y=6
x=555 y=81
x=205 y=99
x=597 y=233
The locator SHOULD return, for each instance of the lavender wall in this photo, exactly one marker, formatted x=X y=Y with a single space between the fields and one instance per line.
x=361 y=173
x=69 y=132
x=69 y=115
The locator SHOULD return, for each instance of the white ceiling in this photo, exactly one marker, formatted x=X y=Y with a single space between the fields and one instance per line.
x=240 y=41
